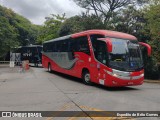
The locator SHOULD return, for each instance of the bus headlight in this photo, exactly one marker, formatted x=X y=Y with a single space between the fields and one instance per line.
x=119 y=76
x=110 y=73
x=115 y=75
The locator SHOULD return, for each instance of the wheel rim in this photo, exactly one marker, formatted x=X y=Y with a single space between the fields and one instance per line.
x=87 y=77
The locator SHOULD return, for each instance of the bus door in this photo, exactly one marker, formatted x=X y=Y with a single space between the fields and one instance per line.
x=100 y=58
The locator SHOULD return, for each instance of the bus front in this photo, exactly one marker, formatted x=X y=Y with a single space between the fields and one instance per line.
x=125 y=63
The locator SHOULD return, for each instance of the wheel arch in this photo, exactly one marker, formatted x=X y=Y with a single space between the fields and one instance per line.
x=84 y=70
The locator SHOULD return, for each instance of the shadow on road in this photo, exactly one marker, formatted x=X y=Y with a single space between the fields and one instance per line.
x=68 y=77
x=116 y=88
x=35 y=66
x=74 y=79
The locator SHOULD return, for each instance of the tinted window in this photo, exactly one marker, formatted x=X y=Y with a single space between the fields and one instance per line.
x=95 y=37
x=99 y=48
x=100 y=52
x=47 y=47
x=80 y=44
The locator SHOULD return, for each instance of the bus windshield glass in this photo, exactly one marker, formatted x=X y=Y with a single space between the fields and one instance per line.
x=126 y=55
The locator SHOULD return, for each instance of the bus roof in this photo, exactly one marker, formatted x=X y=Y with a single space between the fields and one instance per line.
x=107 y=33
x=60 y=38
x=30 y=46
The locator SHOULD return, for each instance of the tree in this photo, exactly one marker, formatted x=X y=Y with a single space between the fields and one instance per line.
x=25 y=28
x=153 y=27
x=81 y=23
x=130 y=20
x=8 y=37
x=14 y=30
x=152 y=30
x=51 y=28
x=104 y=8
x=71 y=25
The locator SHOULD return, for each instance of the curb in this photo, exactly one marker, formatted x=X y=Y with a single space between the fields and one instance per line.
x=152 y=81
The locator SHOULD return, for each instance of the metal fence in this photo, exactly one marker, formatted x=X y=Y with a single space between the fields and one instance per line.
x=4 y=63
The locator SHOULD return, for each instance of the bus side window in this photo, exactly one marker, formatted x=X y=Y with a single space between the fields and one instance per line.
x=73 y=45
x=64 y=45
x=47 y=47
x=82 y=45
x=58 y=46
x=53 y=47
x=94 y=40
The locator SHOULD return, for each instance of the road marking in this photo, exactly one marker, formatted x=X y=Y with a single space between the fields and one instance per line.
x=65 y=107
x=86 y=108
x=99 y=118
x=152 y=81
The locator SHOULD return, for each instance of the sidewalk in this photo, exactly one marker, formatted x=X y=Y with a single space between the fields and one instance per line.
x=151 y=81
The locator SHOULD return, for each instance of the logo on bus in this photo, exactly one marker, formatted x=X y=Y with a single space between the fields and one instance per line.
x=28 y=53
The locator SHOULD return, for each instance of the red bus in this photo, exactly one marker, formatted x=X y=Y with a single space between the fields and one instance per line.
x=104 y=57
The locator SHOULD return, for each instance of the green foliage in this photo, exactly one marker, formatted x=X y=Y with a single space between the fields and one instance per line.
x=151 y=68
x=103 y=8
x=50 y=28
x=14 y=30
x=71 y=25
x=153 y=20
x=106 y=8
x=81 y=23
x=152 y=28
x=153 y=15
x=26 y=30
x=8 y=37
x=130 y=20
x=92 y=22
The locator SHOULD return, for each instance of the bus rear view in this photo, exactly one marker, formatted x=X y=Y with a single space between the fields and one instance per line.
x=104 y=57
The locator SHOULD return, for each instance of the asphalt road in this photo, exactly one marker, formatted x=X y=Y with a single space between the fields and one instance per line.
x=39 y=90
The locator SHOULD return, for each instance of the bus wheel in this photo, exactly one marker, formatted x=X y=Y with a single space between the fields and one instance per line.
x=86 y=77
x=49 y=68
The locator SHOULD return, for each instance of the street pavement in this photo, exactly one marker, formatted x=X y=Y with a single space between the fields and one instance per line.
x=39 y=90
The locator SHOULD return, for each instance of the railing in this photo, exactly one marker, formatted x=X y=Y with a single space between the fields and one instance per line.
x=4 y=62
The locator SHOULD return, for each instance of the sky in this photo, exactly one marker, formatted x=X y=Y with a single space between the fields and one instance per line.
x=37 y=10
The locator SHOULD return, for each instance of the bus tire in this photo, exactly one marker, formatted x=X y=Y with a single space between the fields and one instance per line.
x=49 y=68
x=86 y=77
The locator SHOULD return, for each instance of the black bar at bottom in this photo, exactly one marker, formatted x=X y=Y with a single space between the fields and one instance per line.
x=79 y=113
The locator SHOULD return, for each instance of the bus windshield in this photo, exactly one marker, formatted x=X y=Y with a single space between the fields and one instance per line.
x=126 y=55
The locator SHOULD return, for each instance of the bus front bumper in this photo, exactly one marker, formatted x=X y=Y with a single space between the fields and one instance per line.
x=115 y=80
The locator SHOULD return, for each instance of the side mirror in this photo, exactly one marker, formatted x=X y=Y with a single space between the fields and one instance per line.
x=108 y=43
x=147 y=46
